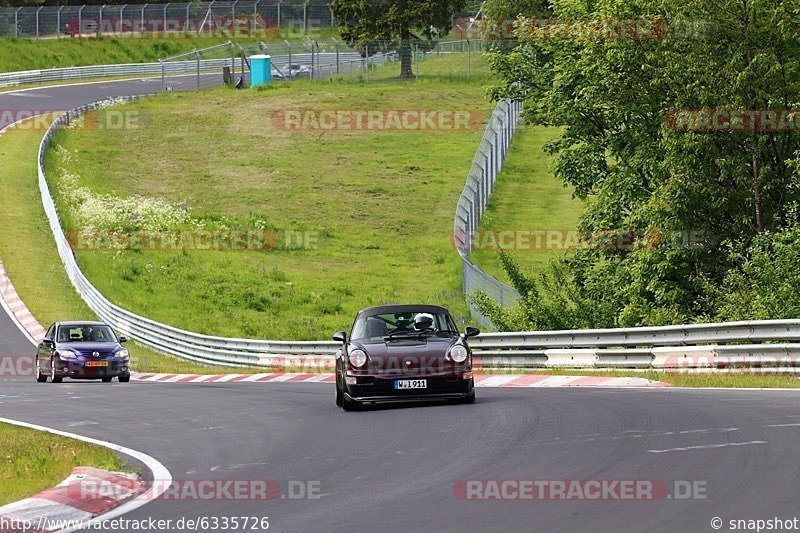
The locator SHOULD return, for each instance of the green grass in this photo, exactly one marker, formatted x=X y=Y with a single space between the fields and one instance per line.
x=32 y=461
x=29 y=254
x=380 y=205
x=527 y=198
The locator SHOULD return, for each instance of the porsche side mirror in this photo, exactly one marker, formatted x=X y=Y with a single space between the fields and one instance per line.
x=471 y=332
x=341 y=337
x=123 y=340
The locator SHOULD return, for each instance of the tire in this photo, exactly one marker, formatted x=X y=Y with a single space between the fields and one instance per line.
x=338 y=392
x=468 y=399
x=40 y=378
x=125 y=379
x=350 y=405
x=53 y=378
x=106 y=380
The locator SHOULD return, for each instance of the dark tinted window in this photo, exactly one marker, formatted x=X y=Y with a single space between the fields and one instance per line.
x=383 y=324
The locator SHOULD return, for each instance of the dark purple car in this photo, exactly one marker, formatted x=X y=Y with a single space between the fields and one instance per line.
x=82 y=350
x=403 y=353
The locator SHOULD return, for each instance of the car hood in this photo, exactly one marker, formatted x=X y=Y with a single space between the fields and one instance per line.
x=87 y=348
x=410 y=357
x=429 y=346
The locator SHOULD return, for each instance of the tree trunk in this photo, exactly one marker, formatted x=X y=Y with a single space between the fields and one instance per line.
x=757 y=190
x=405 y=54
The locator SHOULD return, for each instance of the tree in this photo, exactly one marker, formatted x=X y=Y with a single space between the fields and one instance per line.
x=403 y=22
x=615 y=100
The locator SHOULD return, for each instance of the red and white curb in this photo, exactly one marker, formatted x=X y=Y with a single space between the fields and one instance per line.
x=17 y=310
x=65 y=505
x=506 y=380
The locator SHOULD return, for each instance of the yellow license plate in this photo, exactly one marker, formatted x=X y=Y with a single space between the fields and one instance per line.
x=96 y=363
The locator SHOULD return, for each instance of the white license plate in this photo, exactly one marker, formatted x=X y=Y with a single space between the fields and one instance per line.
x=410 y=384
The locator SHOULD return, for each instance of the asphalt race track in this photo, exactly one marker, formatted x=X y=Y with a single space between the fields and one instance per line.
x=395 y=469
x=398 y=469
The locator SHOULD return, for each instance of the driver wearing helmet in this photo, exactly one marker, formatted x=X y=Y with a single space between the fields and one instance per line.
x=423 y=322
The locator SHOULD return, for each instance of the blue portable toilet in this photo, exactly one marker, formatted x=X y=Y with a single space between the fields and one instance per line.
x=260 y=70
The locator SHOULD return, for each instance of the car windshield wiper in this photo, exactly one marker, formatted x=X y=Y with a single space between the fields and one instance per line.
x=408 y=334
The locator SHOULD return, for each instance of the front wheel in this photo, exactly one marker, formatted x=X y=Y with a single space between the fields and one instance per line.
x=338 y=392
x=40 y=378
x=54 y=378
x=470 y=398
x=350 y=405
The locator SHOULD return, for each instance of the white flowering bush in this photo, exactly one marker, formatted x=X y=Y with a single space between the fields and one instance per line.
x=91 y=212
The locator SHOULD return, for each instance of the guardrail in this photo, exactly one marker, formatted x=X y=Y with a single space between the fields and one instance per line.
x=473 y=201
x=773 y=343
x=769 y=343
x=171 y=68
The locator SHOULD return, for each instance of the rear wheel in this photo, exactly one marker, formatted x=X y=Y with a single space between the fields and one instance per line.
x=106 y=380
x=125 y=379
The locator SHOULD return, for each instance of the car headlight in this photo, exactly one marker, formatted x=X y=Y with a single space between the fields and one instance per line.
x=458 y=353
x=358 y=358
x=122 y=353
x=66 y=354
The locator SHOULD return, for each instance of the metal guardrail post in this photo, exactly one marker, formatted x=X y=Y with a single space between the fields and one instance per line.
x=165 y=16
x=198 y=69
x=58 y=21
x=16 y=21
x=100 y=23
x=120 y=22
x=37 y=21
x=143 y=8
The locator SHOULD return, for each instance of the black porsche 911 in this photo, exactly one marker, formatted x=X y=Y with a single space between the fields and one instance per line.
x=403 y=353
x=82 y=350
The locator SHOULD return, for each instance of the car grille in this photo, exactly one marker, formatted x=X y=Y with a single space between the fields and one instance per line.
x=89 y=353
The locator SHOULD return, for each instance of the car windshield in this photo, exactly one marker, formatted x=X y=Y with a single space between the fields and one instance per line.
x=86 y=333
x=398 y=324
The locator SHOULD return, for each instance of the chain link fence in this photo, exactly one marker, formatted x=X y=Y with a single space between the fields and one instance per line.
x=239 y=17
x=473 y=201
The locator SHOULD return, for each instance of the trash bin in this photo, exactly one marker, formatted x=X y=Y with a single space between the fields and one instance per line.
x=260 y=70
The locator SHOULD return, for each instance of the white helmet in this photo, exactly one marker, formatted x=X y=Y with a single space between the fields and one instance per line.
x=423 y=321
